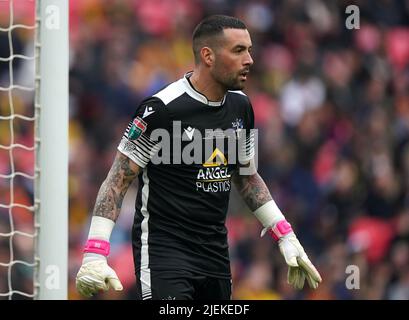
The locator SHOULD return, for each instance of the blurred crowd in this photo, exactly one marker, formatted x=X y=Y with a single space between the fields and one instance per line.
x=331 y=105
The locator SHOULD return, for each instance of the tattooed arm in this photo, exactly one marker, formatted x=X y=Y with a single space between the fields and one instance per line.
x=95 y=274
x=253 y=190
x=255 y=193
x=113 y=189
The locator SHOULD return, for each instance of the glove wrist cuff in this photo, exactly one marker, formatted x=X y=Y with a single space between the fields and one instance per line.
x=101 y=228
x=280 y=229
x=269 y=214
x=97 y=246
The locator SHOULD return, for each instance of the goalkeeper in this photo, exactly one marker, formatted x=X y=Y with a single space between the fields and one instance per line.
x=179 y=237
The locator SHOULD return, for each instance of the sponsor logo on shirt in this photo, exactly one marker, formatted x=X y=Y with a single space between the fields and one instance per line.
x=214 y=176
x=216 y=159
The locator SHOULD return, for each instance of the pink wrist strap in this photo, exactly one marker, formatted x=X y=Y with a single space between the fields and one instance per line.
x=280 y=229
x=97 y=246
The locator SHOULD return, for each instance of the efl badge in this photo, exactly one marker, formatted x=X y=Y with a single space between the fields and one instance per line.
x=138 y=127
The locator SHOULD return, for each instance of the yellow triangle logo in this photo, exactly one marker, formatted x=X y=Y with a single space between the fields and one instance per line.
x=216 y=159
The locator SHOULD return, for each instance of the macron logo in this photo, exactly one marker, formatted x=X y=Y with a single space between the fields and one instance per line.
x=189 y=132
x=148 y=112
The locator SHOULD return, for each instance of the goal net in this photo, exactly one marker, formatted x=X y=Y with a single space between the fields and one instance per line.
x=32 y=243
x=17 y=176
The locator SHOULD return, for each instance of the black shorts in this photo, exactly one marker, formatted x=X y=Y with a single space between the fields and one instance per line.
x=182 y=285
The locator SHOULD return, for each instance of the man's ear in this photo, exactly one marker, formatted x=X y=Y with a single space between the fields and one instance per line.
x=208 y=56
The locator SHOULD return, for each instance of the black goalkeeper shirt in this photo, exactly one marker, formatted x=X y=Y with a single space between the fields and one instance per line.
x=181 y=208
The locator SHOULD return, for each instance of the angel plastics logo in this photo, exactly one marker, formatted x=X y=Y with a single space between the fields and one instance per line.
x=214 y=176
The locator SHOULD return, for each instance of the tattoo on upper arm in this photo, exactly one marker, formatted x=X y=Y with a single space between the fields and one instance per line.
x=253 y=190
x=112 y=192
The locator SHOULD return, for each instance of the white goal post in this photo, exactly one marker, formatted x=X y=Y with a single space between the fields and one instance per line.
x=51 y=139
x=48 y=258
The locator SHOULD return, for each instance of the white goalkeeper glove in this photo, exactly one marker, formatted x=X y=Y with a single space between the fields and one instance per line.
x=95 y=275
x=300 y=267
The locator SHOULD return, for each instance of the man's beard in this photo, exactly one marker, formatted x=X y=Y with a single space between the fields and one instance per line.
x=230 y=82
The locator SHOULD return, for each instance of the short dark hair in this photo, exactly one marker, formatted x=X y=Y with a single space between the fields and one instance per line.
x=209 y=28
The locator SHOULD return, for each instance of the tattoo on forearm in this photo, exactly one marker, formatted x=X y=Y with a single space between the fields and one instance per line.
x=114 y=188
x=253 y=190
